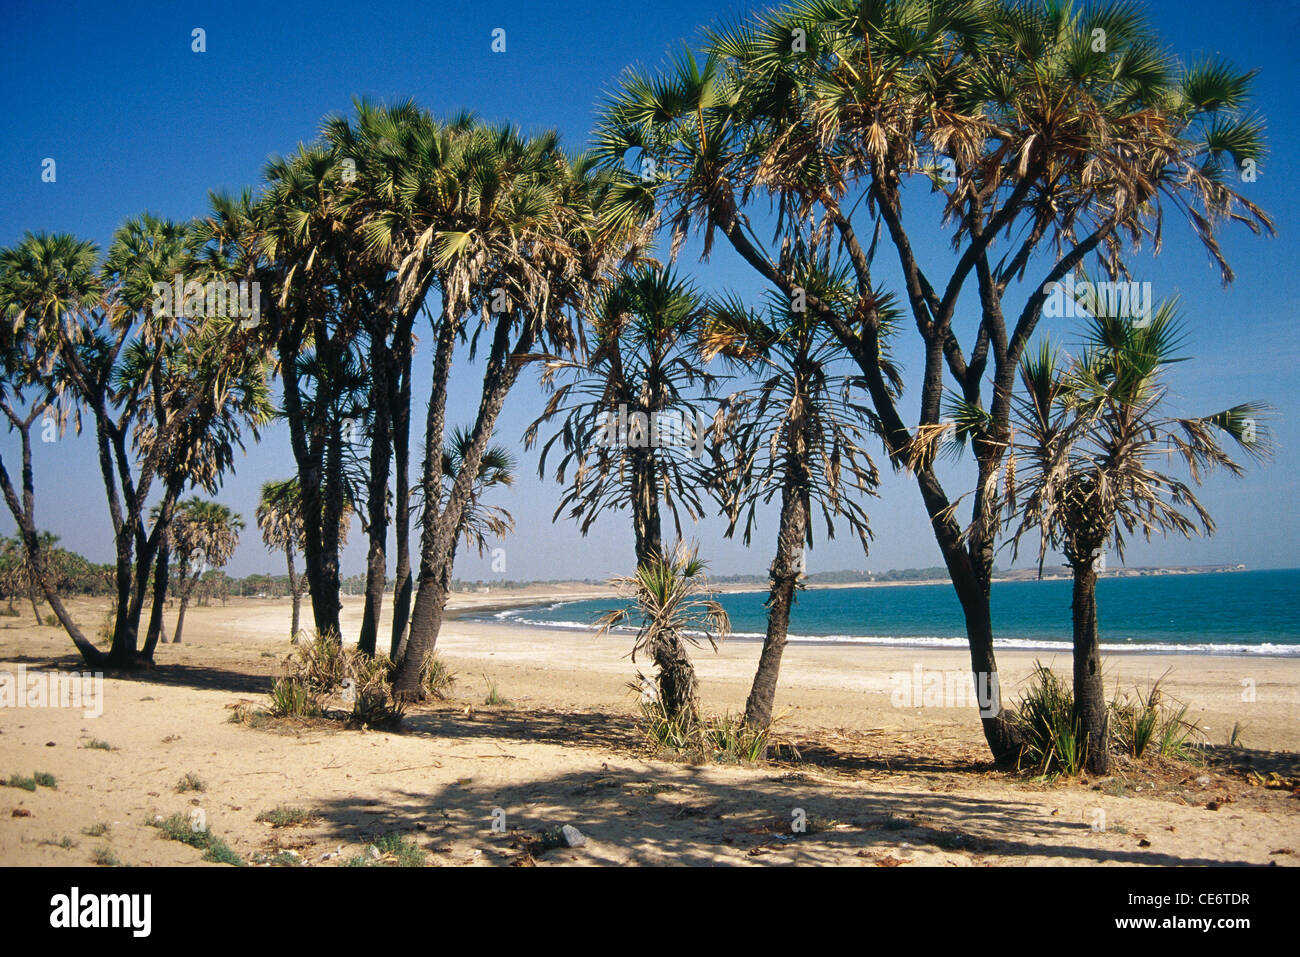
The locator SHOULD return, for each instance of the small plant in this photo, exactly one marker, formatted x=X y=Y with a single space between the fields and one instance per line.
x=372 y=704
x=723 y=738
x=104 y=857
x=219 y=852
x=666 y=732
x=64 y=842
x=1234 y=739
x=101 y=829
x=391 y=850
x=291 y=698
x=52 y=621
x=190 y=782
x=10 y=613
x=18 y=781
x=45 y=780
x=287 y=817
x=1045 y=718
x=1143 y=722
x=97 y=745
x=494 y=697
x=437 y=677
x=177 y=827
x=733 y=740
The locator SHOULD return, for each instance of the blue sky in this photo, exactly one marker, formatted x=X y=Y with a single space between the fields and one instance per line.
x=135 y=120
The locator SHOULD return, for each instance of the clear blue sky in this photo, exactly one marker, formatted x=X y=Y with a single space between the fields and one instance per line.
x=137 y=121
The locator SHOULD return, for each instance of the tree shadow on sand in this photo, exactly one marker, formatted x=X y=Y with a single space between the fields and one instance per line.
x=683 y=815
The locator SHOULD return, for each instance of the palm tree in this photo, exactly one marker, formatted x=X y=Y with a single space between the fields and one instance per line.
x=671 y=607
x=614 y=411
x=480 y=522
x=1095 y=439
x=204 y=536
x=527 y=244
x=309 y=252
x=795 y=434
x=826 y=110
x=49 y=285
x=639 y=379
x=280 y=517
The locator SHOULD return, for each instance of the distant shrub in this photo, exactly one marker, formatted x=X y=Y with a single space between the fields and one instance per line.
x=190 y=782
x=104 y=857
x=177 y=827
x=287 y=817
x=394 y=851
x=494 y=697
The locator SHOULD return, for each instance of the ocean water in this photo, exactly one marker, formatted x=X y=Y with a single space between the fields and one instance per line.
x=1237 y=613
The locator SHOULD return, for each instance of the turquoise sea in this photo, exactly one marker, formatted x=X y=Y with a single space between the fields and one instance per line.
x=1238 y=613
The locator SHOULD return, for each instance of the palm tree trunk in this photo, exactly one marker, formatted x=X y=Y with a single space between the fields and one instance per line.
x=24 y=511
x=785 y=573
x=646 y=524
x=296 y=592
x=381 y=445
x=36 y=608
x=401 y=422
x=180 y=620
x=972 y=581
x=1089 y=693
x=308 y=451
x=160 y=574
x=438 y=541
x=678 y=686
x=185 y=601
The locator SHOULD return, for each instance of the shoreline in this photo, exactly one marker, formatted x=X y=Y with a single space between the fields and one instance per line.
x=886 y=733
x=482 y=614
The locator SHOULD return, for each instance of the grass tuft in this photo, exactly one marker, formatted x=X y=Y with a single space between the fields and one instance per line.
x=190 y=782
x=104 y=857
x=179 y=828
x=284 y=816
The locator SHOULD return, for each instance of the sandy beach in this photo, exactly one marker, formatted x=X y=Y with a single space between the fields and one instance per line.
x=878 y=784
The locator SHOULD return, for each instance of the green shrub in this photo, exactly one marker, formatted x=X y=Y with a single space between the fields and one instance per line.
x=1045 y=718
x=178 y=827
x=1142 y=723
x=437 y=677
x=291 y=698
